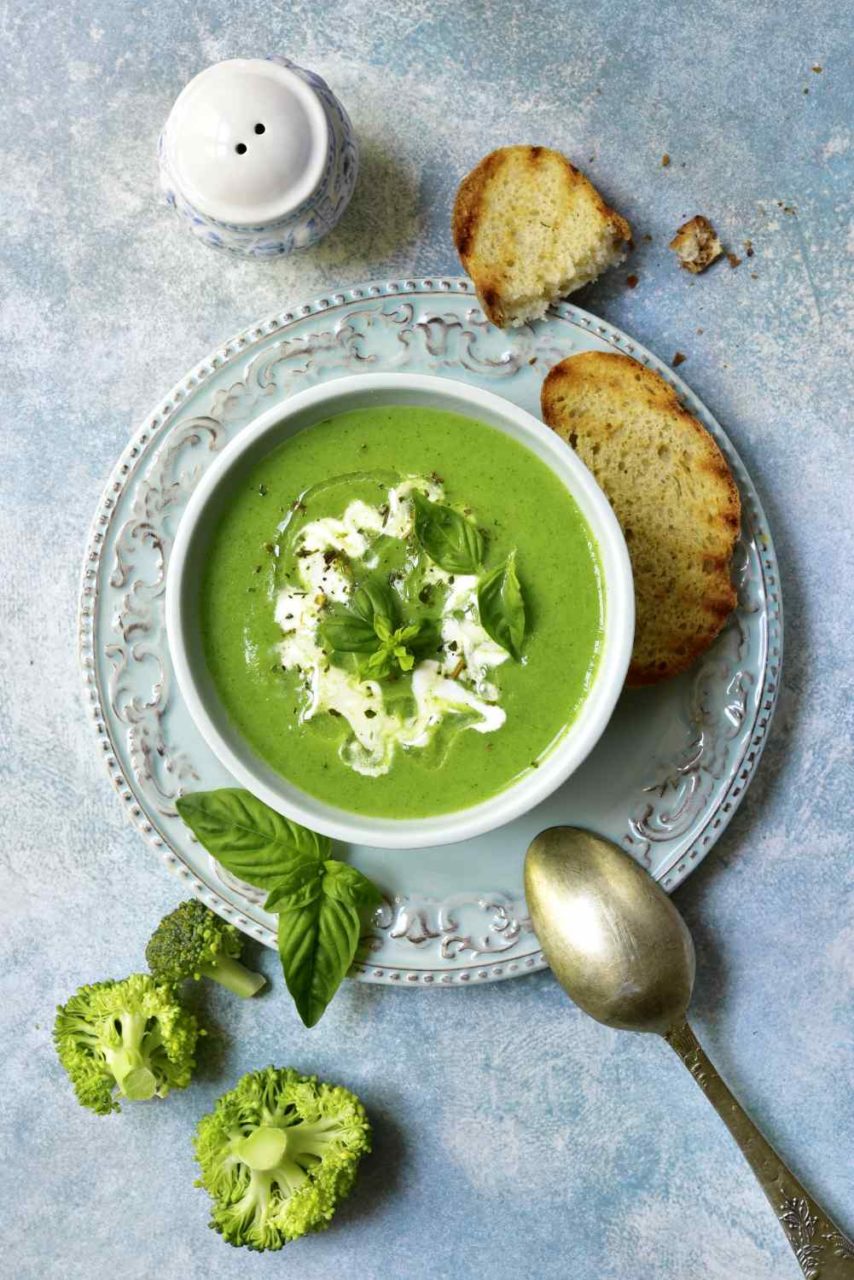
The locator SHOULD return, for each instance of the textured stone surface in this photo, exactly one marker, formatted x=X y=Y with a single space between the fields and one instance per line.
x=513 y=1137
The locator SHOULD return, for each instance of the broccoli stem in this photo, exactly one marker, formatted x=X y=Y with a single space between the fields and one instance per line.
x=233 y=975
x=139 y=1084
x=128 y=1061
x=263 y=1149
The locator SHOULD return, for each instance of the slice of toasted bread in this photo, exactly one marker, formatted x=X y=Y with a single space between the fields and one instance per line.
x=529 y=229
x=671 y=491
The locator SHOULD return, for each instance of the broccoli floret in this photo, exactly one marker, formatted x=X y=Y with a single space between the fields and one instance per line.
x=277 y=1154
x=131 y=1035
x=191 y=942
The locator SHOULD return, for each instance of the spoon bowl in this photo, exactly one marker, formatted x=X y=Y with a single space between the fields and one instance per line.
x=612 y=937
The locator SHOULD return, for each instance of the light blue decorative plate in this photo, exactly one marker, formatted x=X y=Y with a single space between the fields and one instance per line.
x=664 y=780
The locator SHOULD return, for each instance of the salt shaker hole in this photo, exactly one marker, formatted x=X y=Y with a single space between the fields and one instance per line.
x=240 y=148
x=259 y=128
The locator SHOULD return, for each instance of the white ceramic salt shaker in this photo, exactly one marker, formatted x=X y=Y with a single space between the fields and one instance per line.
x=258 y=156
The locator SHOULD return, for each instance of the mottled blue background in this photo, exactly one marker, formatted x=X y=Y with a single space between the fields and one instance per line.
x=513 y=1136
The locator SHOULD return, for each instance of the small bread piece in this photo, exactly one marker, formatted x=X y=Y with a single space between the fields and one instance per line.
x=529 y=229
x=696 y=244
x=671 y=491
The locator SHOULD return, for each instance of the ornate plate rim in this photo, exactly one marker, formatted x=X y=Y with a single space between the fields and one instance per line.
x=236 y=347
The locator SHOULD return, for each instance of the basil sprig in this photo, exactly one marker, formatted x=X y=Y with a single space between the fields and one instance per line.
x=450 y=540
x=371 y=624
x=502 y=608
x=318 y=900
x=392 y=650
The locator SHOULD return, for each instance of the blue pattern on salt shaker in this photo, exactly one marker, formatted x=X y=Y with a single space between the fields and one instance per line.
x=252 y=186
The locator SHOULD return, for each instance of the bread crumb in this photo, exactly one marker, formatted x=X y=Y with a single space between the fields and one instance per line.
x=665 y=161
x=733 y=260
x=701 y=331
x=817 y=69
x=647 y=239
x=748 y=247
x=696 y=244
x=632 y=281
x=679 y=358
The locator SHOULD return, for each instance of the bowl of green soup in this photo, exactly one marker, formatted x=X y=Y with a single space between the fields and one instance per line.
x=400 y=610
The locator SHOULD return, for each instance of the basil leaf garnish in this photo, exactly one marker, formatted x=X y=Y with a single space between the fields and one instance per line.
x=375 y=600
x=318 y=899
x=428 y=639
x=298 y=885
x=371 y=624
x=251 y=840
x=502 y=608
x=349 y=884
x=393 y=651
x=345 y=631
x=361 y=625
x=319 y=930
x=317 y=944
x=451 y=541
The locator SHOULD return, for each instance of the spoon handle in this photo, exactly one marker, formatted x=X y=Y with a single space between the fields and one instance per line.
x=823 y=1251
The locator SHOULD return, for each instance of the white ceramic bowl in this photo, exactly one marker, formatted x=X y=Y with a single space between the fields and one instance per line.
x=253 y=443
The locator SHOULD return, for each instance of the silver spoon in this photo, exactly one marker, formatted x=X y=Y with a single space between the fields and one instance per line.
x=620 y=950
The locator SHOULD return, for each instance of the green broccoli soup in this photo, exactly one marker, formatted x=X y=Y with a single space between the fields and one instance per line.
x=402 y=610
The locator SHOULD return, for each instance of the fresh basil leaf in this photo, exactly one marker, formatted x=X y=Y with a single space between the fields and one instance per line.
x=297 y=887
x=451 y=541
x=347 y=632
x=403 y=657
x=366 y=622
x=251 y=840
x=318 y=900
x=319 y=931
x=317 y=945
x=379 y=665
x=427 y=639
x=393 y=652
x=502 y=608
x=350 y=885
x=382 y=627
x=375 y=599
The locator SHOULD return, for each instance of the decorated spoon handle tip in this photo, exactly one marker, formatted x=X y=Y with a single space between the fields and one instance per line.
x=823 y=1251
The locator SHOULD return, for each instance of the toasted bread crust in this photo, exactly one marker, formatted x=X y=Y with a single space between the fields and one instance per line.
x=627 y=425
x=470 y=208
x=464 y=222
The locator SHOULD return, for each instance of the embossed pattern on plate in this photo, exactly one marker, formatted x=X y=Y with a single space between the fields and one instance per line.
x=664 y=780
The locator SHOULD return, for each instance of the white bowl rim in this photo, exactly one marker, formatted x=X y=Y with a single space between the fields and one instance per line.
x=571 y=748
